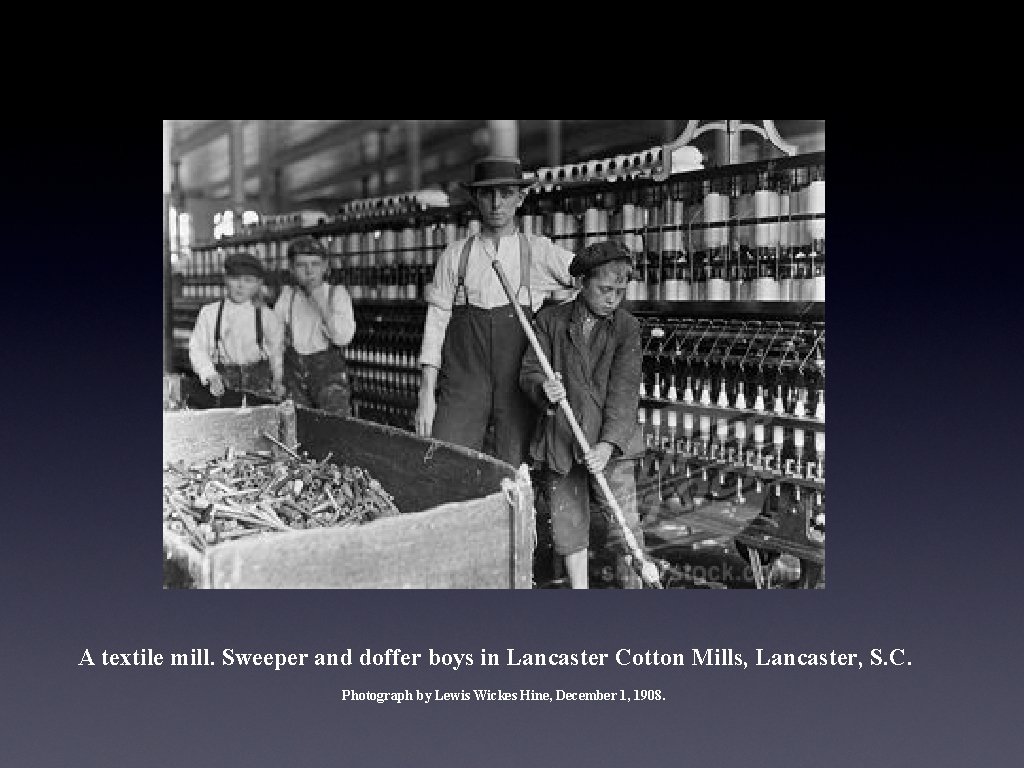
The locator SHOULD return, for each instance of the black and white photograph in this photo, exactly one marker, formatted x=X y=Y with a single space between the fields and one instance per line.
x=505 y=354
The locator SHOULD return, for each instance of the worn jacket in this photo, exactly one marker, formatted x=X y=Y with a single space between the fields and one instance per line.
x=601 y=378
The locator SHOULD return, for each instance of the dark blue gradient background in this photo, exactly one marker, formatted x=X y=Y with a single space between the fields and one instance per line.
x=924 y=519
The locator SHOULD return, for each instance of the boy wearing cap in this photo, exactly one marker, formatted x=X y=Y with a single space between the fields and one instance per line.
x=472 y=341
x=318 y=322
x=593 y=345
x=237 y=342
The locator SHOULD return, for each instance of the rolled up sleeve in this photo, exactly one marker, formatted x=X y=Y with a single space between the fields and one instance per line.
x=439 y=295
x=555 y=261
x=342 y=327
x=274 y=331
x=434 y=329
x=200 y=345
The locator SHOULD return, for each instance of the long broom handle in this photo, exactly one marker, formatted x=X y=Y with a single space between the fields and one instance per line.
x=649 y=570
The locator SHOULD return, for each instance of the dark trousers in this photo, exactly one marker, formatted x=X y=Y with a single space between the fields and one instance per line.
x=239 y=381
x=253 y=377
x=319 y=380
x=478 y=384
x=573 y=500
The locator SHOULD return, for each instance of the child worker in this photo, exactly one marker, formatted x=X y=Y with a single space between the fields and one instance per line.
x=318 y=323
x=593 y=346
x=237 y=343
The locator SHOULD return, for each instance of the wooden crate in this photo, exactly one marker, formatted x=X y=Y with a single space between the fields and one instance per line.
x=467 y=519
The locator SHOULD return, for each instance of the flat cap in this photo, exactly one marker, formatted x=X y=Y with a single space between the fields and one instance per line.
x=243 y=264
x=305 y=244
x=596 y=254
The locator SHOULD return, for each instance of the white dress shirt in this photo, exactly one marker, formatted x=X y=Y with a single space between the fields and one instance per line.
x=237 y=338
x=549 y=271
x=309 y=332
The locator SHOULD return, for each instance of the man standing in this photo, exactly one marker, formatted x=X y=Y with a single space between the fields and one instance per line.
x=472 y=341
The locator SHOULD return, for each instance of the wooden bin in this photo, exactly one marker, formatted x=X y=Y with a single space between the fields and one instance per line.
x=467 y=519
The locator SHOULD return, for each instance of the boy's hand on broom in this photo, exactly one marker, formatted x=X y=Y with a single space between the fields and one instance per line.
x=216 y=385
x=554 y=389
x=598 y=456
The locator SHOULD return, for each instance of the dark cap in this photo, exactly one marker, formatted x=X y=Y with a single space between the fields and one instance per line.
x=305 y=244
x=243 y=264
x=498 y=172
x=596 y=254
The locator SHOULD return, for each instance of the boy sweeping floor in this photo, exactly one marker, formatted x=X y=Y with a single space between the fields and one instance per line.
x=593 y=346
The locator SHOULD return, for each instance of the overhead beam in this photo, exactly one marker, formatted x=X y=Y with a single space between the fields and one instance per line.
x=284 y=157
x=200 y=137
x=332 y=137
x=438 y=143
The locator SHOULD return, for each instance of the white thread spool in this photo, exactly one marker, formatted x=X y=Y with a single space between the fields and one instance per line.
x=670 y=282
x=628 y=217
x=705 y=427
x=766 y=205
x=409 y=243
x=787 y=287
x=798 y=438
x=816 y=204
x=387 y=247
x=716 y=209
x=817 y=288
x=592 y=226
x=766 y=289
x=451 y=232
x=653 y=235
x=687 y=423
x=778 y=436
x=759 y=433
x=370 y=249
x=718 y=289
x=640 y=280
x=558 y=227
x=739 y=428
x=705 y=394
x=639 y=220
x=352 y=246
x=795 y=227
x=572 y=229
x=678 y=218
x=670 y=419
x=655 y=417
x=744 y=210
x=819 y=443
x=738 y=287
x=722 y=430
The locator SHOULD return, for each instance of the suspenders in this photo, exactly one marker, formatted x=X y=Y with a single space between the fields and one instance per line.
x=524 y=271
x=291 y=311
x=259 y=331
